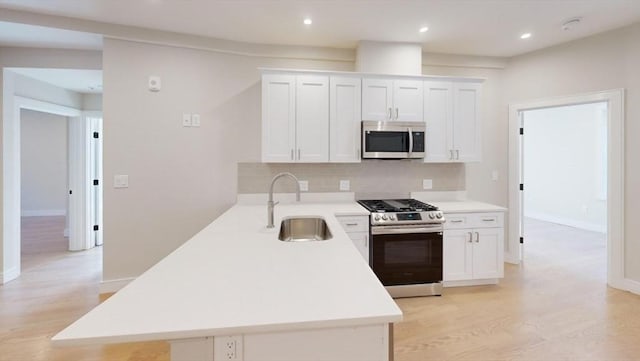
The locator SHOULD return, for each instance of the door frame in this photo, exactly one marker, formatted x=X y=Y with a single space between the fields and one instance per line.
x=615 y=176
x=11 y=177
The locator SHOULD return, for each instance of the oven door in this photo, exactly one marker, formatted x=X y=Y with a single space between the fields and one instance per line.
x=407 y=255
x=384 y=140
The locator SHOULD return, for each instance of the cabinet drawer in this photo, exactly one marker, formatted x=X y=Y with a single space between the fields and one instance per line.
x=354 y=224
x=473 y=220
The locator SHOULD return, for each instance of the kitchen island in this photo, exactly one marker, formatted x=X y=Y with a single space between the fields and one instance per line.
x=234 y=291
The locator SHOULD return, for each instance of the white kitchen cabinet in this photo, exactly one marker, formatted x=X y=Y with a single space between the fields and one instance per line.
x=357 y=228
x=386 y=99
x=345 y=106
x=452 y=116
x=473 y=250
x=295 y=118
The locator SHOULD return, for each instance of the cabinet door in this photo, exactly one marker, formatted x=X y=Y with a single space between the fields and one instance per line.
x=408 y=100
x=437 y=116
x=344 y=119
x=312 y=118
x=278 y=117
x=488 y=253
x=457 y=255
x=377 y=95
x=466 y=121
x=361 y=241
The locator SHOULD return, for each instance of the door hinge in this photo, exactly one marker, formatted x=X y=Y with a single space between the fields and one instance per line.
x=521 y=131
x=97 y=135
x=70 y=191
x=96 y=182
x=96 y=227
x=521 y=240
x=521 y=186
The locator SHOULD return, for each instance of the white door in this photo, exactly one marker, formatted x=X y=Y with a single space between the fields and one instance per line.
x=377 y=99
x=344 y=119
x=312 y=118
x=466 y=121
x=437 y=117
x=457 y=255
x=278 y=117
x=80 y=232
x=95 y=170
x=408 y=100
x=487 y=254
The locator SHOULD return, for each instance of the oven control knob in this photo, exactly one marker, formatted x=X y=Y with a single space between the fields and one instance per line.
x=431 y=216
x=392 y=217
x=438 y=215
x=384 y=217
x=377 y=218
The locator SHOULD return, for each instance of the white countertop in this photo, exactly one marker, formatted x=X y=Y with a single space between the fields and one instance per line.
x=236 y=277
x=466 y=206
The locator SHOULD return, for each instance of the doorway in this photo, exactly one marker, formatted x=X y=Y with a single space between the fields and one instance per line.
x=613 y=182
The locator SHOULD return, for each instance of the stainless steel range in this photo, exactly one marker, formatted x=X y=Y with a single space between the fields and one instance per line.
x=406 y=246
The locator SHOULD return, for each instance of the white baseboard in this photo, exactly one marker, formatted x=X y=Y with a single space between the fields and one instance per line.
x=43 y=213
x=567 y=221
x=632 y=286
x=111 y=286
x=9 y=275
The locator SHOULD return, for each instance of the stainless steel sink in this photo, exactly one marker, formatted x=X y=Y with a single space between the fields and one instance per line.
x=301 y=229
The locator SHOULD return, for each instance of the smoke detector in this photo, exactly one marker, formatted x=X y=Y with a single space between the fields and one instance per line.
x=571 y=23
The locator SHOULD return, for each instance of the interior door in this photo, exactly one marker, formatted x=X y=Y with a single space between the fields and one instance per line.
x=95 y=170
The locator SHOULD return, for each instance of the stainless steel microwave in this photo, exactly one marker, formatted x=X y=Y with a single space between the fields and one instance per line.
x=393 y=140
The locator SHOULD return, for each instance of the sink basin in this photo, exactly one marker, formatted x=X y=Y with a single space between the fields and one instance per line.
x=301 y=229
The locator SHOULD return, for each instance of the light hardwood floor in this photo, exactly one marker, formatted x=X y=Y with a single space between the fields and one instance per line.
x=554 y=306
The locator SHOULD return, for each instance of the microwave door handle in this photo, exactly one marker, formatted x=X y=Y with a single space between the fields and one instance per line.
x=410 y=142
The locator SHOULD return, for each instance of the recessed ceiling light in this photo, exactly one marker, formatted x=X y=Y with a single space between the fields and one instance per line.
x=423 y=29
x=525 y=36
x=307 y=21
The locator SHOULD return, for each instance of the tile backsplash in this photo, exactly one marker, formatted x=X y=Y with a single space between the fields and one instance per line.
x=393 y=177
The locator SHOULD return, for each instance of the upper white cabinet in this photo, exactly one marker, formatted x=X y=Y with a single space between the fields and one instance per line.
x=392 y=99
x=344 y=118
x=452 y=116
x=295 y=118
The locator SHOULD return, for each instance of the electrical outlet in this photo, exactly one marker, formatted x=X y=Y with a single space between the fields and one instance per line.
x=345 y=185
x=427 y=183
x=304 y=185
x=195 y=120
x=120 y=181
x=228 y=348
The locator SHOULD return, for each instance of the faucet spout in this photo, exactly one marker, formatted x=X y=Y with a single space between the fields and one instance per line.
x=271 y=204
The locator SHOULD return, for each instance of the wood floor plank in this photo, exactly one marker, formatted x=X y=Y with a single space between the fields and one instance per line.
x=554 y=306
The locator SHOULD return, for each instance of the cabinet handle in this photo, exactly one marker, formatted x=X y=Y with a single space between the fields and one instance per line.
x=291 y=153
x=298 y=153
x=457 y=154
x=477 y=237
x=488 y=219
x=470 y=237
x=397 y=114
x=351 y=224
x=358 y=153
x=456 y=221
x=390 y=113
x=451 y=154
x=366 y=241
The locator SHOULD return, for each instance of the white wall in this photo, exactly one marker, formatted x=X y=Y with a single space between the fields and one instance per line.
x=43 y=157
x=601 y=62
x=563 y=165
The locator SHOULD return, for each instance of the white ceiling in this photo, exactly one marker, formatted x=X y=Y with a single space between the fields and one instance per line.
x=478 y=27
x=12 y=34
x=78 y=80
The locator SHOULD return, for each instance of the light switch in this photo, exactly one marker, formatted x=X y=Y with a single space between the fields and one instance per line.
x=304 y=185
x=427 y=183
x=155 y=83
x=121 y=181
x=494 y=175
x=186 y=120
x=195 y=120
x=345 y=185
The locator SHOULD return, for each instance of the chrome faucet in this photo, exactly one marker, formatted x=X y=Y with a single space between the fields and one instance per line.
x=271 y=203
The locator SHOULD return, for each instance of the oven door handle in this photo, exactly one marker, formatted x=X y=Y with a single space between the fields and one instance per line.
x=405 y=229
x=410 y=142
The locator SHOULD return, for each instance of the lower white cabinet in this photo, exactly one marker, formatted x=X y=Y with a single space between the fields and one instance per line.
x=473 y=248
x=357 y=228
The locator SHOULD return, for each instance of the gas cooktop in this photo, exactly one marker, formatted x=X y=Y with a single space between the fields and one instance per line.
x=387 y=212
